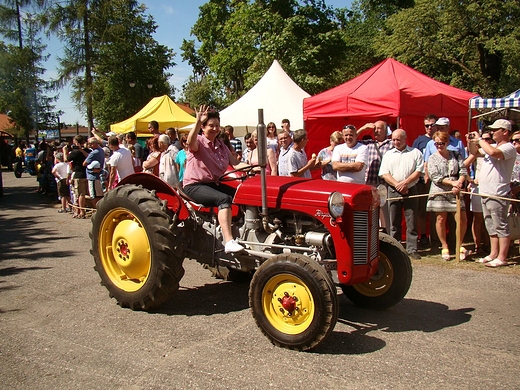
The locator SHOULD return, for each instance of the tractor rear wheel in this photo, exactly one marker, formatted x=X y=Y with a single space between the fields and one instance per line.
x=135 y=251
x=293 y=301
x=389 y=284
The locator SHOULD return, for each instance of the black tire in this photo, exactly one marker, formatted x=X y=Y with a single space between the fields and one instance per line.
x=390 y=283
x=17 y=167
x=293 y=275
x=135 y=251
x=229 y=274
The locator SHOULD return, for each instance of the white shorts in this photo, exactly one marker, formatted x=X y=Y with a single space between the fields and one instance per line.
x=94 y=189
x=476 y=200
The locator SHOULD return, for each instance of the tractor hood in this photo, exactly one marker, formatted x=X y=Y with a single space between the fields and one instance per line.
x=293 y=193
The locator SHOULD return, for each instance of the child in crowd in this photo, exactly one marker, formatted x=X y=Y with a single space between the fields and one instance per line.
x=61 y=172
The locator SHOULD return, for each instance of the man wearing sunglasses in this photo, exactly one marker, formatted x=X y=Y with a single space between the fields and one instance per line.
x=495 y=179
x=423 y=188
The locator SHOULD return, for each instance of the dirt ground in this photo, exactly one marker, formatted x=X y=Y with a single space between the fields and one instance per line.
x=458 y=327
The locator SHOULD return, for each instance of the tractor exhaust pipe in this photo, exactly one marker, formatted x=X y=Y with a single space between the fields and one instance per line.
x=262 y=161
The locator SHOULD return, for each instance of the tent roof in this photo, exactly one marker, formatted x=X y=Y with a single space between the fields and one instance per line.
x=161 y=109
x=510 y=101
x=388 y=90
x=276 y=93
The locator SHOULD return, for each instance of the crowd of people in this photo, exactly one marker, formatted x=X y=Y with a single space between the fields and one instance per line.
x=422 y=180
x=80 y=173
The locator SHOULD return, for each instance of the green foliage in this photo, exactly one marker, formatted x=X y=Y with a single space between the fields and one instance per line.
x=198 y=92
x=23 y=93
x=128 y=54
x=470 y=44
x=240 y=39
x=109 y=44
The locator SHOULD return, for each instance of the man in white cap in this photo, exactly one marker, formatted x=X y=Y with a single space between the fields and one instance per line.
x=494 y=179
x=96 y=155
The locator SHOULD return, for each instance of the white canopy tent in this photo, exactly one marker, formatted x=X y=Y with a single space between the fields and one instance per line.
x=278 y=95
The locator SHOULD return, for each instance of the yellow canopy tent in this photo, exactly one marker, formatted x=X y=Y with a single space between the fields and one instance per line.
x=161 y=109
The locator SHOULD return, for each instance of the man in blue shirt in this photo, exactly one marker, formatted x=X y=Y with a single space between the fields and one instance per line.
x=97 y=153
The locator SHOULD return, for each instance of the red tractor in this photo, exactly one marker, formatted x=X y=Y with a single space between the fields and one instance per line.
x=303 y=238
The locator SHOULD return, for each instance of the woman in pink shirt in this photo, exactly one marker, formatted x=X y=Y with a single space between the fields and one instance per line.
x=207 y=160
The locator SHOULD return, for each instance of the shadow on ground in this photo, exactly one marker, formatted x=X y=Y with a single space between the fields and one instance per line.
x=21 y=236
x=408 y=315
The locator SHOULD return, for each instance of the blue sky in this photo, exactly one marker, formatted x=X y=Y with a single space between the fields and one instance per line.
x=174 y=19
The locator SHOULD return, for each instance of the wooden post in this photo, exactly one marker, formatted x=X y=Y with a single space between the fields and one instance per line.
x=458 y=241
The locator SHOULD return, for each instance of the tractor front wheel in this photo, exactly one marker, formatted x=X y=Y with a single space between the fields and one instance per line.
x=293 y=301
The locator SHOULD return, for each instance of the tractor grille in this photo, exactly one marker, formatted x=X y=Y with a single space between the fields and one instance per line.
x=365 y=236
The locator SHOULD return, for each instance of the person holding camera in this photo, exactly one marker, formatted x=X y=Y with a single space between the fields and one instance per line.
x=494 y=180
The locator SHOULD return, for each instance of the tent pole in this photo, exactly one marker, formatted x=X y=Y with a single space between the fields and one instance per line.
x=469 y=120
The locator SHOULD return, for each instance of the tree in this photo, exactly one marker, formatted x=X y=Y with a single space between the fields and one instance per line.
x=128 y=54
x=240 y=39
x=108 y=45
x=22 y=90
x=470 y=44
x=71 y=20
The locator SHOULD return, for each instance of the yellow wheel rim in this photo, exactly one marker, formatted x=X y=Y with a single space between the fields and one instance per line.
x=382 y=280
x=124 y=250
x=289 y=287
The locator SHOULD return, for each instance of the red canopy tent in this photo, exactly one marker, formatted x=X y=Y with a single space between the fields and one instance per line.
x=389 y=91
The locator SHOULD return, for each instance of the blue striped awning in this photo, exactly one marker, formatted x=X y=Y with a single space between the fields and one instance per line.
x=509 y=101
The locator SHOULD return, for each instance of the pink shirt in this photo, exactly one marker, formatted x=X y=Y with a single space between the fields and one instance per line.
x=208 y=163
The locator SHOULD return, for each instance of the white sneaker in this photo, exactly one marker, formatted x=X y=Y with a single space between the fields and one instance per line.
x=233 y=246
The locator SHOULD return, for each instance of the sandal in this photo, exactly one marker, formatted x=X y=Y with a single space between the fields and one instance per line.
x=463 y=252
x=483 y=260
x=445 y=254
x=497 y=263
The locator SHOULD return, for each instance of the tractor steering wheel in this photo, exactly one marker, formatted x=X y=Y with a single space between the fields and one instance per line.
x=248 y=170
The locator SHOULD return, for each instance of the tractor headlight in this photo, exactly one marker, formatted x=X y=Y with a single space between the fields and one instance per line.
x=336 y=204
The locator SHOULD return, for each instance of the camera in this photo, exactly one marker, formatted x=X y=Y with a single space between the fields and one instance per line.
x=471 y=136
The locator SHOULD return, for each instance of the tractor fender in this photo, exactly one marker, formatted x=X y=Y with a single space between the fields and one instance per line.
x=162 y=190
x=385 y=237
